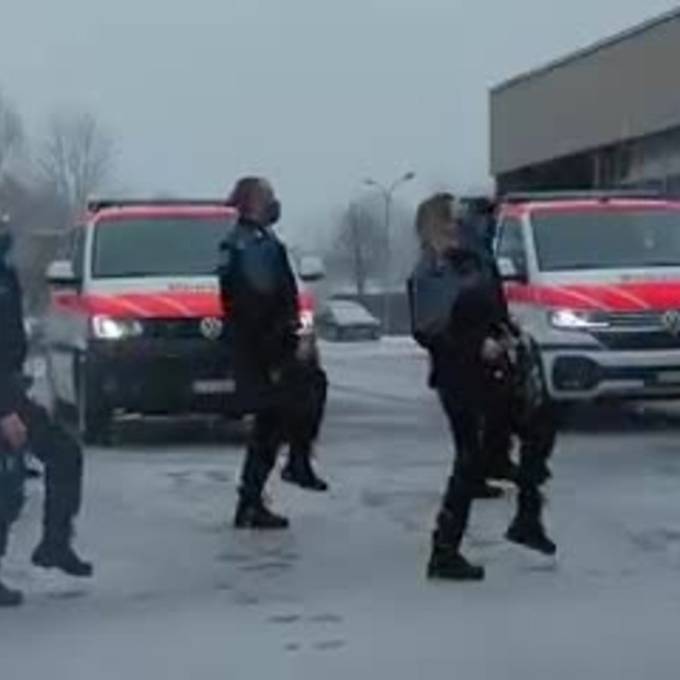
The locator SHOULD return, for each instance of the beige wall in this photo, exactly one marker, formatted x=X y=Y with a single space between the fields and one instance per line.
x=624 y=90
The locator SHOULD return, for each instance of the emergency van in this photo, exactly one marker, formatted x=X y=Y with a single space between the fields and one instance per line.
x=594 y=278
x=135 y=323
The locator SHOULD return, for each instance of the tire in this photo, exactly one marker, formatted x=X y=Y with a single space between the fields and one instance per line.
x=93 y=418
x=564 y=413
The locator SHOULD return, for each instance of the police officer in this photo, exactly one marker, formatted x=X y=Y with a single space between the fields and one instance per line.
x=458 y=311
x=24 y=424
x=520 y=407
x=532 y=420
x=260 y=297
x=487 y=376
x=478 y=224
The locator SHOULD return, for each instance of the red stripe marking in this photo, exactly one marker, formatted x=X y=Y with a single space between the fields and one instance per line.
x=655 y=296
x=167 y=305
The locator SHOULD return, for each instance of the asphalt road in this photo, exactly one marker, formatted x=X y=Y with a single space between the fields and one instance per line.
x=179 y=594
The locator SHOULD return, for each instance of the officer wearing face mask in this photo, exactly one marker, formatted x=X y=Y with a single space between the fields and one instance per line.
x=25 y=425
x=260 y=300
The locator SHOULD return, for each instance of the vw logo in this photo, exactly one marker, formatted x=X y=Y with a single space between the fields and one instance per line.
x=211 y=328
x=671 y=322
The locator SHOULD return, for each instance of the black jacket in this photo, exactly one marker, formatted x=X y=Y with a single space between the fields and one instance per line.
x=260 y=301
x=480 y=311
x=13 y=344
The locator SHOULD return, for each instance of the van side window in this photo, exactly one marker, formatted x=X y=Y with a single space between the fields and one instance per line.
x=511 y=243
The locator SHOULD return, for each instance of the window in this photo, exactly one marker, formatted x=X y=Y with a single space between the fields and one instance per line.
x=607 y=239
x=158 y=247
x=511 y=243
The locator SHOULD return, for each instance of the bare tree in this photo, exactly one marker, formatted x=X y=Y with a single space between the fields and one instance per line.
x=360 y=244
x=77 y=158
x=11 y=132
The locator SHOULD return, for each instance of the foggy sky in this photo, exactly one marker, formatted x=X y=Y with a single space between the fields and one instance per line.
x=317 y=94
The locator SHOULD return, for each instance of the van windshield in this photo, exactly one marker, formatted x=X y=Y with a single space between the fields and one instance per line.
x=161 y=247
x=595 y=239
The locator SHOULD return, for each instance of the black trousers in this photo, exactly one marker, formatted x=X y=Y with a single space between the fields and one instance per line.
x=294 y=416
x=537 y=440
x=473 y=425
x=62 y=458
x=467 y=421
x=304 y=417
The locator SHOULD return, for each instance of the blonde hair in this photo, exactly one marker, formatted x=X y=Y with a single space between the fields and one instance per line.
x=437 y=223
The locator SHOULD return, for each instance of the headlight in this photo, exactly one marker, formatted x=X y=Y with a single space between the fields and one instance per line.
x=106 y=328
x=306 y=321
x=571 y=320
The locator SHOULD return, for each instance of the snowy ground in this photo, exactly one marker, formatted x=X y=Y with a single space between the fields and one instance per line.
x=179 y=594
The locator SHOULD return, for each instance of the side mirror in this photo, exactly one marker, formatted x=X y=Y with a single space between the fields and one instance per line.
x=510 y=270
x=60 y=274
x=311 y=268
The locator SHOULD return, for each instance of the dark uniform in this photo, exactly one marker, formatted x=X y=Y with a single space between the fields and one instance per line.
x=260 y=298
x=466 y=390
x=479 y=397
x=58 y=451
x=523 y=411
x=479 y=227
x=308 y=391
x=532 y=420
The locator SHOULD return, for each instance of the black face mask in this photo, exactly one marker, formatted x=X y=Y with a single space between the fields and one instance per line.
x=273 y=214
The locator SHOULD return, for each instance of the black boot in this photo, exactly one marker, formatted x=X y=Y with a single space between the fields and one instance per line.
x=60 y=555
x=447 y=564
x=255 y=515
x=527 y=528
x=10 y=597
x=446 y=561
x=299 y=471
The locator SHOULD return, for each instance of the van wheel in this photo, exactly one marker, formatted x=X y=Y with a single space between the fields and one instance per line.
x=94 y=420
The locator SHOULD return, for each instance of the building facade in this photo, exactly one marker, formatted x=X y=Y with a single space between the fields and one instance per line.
x=607 y=116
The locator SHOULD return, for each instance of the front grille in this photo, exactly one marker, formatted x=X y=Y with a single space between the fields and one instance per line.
x=631 y=341
x=639 y=331
x=173 y=329
x=646 y=319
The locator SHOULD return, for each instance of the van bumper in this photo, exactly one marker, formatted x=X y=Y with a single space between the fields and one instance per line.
x=591 y=374
x=162 y=378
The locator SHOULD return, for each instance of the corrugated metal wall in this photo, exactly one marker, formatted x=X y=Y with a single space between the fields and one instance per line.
x=627 y=89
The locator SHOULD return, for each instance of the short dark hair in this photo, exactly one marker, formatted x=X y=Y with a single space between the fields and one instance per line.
x=244 y=193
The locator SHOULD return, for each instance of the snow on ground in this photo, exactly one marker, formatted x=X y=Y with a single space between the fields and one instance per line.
x=179 y=594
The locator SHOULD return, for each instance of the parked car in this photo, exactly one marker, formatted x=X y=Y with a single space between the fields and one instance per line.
x=135 y=323
x=344 y=320
x=595 y=279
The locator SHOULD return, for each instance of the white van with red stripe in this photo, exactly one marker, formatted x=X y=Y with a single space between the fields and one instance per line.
x=595 y=279
x=136 y=323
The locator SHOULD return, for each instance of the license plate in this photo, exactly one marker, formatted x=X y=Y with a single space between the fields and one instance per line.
x=208 y=387
x=668 y=378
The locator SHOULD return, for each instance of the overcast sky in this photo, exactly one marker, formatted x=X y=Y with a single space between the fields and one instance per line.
x=317 y=94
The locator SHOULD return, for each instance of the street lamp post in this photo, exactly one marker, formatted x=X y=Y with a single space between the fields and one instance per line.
x=388 y=192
